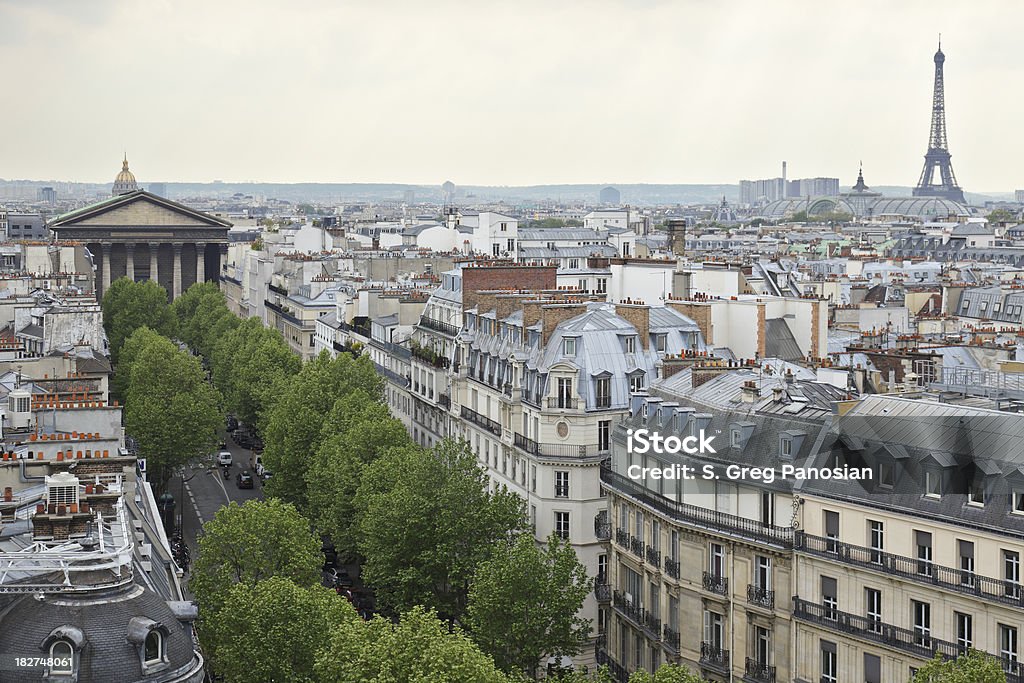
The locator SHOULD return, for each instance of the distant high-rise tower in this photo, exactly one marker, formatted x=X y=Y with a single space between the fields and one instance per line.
x=938 y=156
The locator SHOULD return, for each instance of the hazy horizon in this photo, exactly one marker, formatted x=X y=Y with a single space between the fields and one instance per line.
x=493 y=95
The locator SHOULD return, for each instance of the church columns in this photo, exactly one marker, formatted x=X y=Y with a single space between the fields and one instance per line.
x=129 y=253
x=176 y=284
x=200 y=262
x=106 y=267
x=154 y=250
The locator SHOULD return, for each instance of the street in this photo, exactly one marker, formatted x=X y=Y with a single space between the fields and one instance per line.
x=206 y=490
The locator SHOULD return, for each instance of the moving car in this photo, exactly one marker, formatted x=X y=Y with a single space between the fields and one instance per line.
x=224 y=459
x=244 y=480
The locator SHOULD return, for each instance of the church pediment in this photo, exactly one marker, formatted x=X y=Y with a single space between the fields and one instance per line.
x=137 y=210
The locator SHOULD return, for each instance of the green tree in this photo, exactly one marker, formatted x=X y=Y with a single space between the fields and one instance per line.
x=357 y=430
x=973 y=667
x=425 y=522
x=129 y=305
x=294 y=421
x=170 y=408
x=132 y=347
x=272 y=630
x=524 y=603
x=418 y=649
x=1001 y=216
x=247 y=544
x=203 y=317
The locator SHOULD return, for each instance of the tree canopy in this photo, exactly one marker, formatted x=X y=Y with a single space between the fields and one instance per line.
x=171 y=410
x=973 y=667
x=272 y=630
x=426 y=520
x=129 y=305
x=524 y=603
x=247 y=544
x=294 y=423
x=418 y=649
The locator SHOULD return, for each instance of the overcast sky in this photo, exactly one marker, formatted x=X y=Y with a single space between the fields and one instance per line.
x=509 y=93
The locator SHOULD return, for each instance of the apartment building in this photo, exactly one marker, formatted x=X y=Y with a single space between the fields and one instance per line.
x=923 y=559
x=700 y=569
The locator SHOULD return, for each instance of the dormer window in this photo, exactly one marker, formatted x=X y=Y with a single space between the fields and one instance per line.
x=735 y=438
x=636 y=383
x=153 y=648
x=885 y=475
x=786 y=447
x=660 y=342
x=630 y=344
x=569 y=346
x=976 y=494
x=62 y=658
x=933 y=484
x=1018 y=502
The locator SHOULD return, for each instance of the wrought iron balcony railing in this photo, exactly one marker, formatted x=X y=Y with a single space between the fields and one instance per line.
x=754 y=670
x=481 y=421
x=563 y=403
x=446 y=329
x=714 y=655
x=758 y=595
x=653 y=556
x=716 y=584
x=670 y=637
x=672 y=567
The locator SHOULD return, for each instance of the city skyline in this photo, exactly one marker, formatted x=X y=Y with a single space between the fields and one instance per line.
x=492 y=96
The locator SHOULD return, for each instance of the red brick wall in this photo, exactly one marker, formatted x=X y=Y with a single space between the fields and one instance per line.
x=484 y=278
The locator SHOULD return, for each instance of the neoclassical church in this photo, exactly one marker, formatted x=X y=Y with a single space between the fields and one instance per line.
x=142 y=236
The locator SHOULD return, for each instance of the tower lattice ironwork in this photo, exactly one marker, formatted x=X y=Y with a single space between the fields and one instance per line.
x=938 y=156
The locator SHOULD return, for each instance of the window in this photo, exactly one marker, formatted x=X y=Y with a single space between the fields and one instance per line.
x=564 y=388
x=829 y=597
x=876 y=540
x=660 y=342
x=786 y=447
x=562 y=525
x=533 y=516
x=630 y=344
x=1011 y=574
x=872 y=668
x=602 y=285
x=602 y=568
x=767 y=508
x=603 y=392
x=63 y=655
x=574 y=263
x=763 y=572
x=153 y=647
x=716 y=560
x=561 y=483
x=762 y=645
x=922 y=622
x=604 y=429
x=923 y=540
x=673 y=613
x=933 y=484
x=636 y=383
x=966 y=551
x=495 y=249
x=533 y=478
x=569 y=346
x=873 y=609
x=829 y=663
x=1018 y=502
x=886 y=476
x=964 y=629
x=832 y=530
x=714 y=630
x=976 y=493
x=1008 y=642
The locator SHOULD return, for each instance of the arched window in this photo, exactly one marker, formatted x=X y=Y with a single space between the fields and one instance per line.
x=62 y=657
x=154 y=647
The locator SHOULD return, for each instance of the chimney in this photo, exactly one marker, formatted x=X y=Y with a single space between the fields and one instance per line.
x=777 y=394
x=750 y=392
x=553 y=315
x=706 y=372
x=639 y=316
x=531 y=312
x=789 y=376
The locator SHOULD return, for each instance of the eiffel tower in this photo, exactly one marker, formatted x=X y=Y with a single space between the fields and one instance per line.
x=938 y=156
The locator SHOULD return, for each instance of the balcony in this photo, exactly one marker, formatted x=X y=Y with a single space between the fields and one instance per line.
x=697 y=516
x=716 y=584
x=760 y=672
x=392 y=376
x=913 y=642
x=430 y=357
x=602 y=402
x=557 y=450
x=636 y=546
x=653 y=556
x=622 y=537
x=672 y=567
x=633 y=612
x=914 y=569
x=444 y=400
x=563 y=403
x=756 y=595
x=602 y=591
x=670 y=638
x=446 y=329
x=652 y=624
x=713 y=655
x=481 y=421
x=603 y=530
x=618 y=672
x=393 y=349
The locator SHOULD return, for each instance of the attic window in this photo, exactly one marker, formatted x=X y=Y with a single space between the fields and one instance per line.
x=660 y=342
x=933 y=484
x=636 y=383
x=885 y=475
x=630 y=344
x=62 y=658
x=569 y=346
x=1018 y=502
x=976 y=494
x=154 y=648
x=786 y=447
x=735 y=438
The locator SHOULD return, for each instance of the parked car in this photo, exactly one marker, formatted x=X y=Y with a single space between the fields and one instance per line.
x=257 y=466
x=244 y=480
x=224 y=459
x=339 y=578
